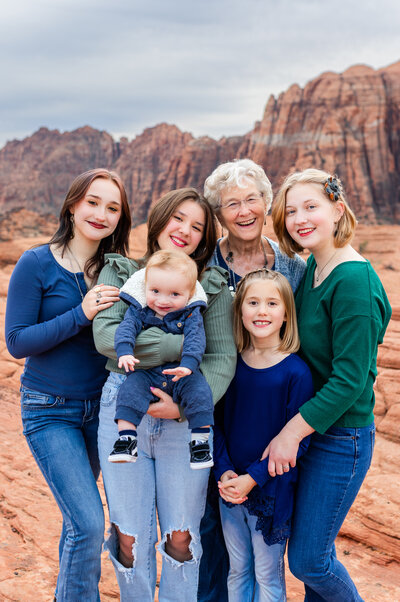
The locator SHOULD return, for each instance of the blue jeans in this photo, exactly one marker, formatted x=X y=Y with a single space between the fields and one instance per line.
x=330 y=476
x=161 y=479
x=62 y=435
x=214 y=564
x=257 y=571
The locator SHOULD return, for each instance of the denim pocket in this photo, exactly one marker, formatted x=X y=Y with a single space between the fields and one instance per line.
x=110 y=389
x=31 y=399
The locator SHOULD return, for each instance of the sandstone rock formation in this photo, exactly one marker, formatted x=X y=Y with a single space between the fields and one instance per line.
x=35 y=173
x=369 y=540
x=344 y=123
x=347 y=123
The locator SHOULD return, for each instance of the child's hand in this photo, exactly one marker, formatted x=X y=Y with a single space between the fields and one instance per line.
x=228 y=493
x=127 y=362
x=227 y=489
x=227 y=475
x=179 y=372
x=234 y=489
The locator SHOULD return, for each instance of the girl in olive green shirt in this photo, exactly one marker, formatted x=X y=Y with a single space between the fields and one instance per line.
x=161 y=479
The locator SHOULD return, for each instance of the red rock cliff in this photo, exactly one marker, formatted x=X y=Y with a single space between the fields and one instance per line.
x=347 y=123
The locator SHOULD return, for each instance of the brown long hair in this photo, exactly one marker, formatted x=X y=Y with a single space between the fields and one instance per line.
x=117 y=242
x=163 y=211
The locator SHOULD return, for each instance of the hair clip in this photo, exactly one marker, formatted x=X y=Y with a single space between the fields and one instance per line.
x=332 y=188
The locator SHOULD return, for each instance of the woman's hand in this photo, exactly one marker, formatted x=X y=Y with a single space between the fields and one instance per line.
x=98 y=298
x=283 y=448
x=282 y=452
x=165 y=408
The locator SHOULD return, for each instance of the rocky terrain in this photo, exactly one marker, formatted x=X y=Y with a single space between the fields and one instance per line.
x=369 y=541
x=348 y=123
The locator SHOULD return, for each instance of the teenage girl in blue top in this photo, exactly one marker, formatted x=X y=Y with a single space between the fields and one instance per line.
x=269 y=386
x=52 y=299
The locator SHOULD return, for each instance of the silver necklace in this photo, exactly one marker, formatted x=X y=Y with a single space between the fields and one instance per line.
x=318 y=276
x=230 y=263
x=74 y=273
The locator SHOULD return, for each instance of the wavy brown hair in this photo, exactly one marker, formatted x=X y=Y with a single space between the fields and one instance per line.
x=164 y=210
x=117 y=242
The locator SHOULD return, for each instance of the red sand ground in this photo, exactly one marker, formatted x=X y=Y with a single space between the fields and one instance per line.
x=369 y=542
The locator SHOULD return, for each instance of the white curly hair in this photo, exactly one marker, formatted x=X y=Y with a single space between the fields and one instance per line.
x=237 y=173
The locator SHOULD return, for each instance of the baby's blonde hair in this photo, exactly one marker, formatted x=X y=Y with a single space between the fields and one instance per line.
x=289 y=335
x=174 y=260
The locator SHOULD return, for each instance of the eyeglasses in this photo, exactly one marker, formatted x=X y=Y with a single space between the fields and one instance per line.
x=234 y=206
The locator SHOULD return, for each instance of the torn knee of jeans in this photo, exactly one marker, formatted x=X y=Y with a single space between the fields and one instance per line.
x=112 y=545
x=193 y=547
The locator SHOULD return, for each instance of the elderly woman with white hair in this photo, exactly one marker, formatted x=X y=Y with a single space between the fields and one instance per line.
x=241 y=195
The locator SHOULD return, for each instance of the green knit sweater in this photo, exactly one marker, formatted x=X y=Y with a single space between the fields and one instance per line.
x=154 y=347
x=341 y=323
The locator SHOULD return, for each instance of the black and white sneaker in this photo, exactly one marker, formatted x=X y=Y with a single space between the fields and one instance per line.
x=200 y=455
x=124 y=450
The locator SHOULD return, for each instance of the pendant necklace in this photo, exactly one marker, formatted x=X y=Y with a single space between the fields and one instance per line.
x=71 y=255
x=229 y=259
x=318 y=276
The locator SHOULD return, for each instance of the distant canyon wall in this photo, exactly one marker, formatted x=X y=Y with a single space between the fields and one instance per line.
x=346 y=123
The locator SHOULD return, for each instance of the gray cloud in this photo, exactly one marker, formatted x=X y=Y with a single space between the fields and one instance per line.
x=209 y=67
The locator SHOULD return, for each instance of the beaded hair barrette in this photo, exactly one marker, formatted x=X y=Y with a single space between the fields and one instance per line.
x=332 y=188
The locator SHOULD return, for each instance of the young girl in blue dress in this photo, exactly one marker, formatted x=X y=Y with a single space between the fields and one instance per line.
x=270 y=384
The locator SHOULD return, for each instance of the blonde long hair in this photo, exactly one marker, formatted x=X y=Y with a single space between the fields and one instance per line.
x=345 y=226
x=289 y=334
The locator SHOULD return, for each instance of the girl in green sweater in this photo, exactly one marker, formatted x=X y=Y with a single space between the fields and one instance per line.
x=343 y=312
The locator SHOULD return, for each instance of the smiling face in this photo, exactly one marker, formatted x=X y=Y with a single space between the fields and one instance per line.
x=167 y=290
x=242 y=211
x=263 y=311
x=97 y=214
x=311 y=217
x=184 y=230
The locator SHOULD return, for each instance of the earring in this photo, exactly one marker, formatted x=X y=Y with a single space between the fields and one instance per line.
x=72 y=220
x=336 y=228
x=265 y=219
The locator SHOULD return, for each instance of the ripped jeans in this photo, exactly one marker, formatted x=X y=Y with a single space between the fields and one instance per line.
x=161 y=479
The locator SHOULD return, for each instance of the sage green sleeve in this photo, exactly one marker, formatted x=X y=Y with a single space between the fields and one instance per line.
x=219 y=361
x=154 y=347
x=106 y=321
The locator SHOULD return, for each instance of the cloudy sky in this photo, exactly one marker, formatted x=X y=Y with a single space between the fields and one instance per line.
x=207 y=66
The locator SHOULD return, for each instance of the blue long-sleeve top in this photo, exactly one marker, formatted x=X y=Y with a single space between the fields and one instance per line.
x=256 y=406
x=187 y=321
x=46 y=324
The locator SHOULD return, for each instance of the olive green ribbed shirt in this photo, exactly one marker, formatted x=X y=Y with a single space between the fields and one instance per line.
x=341 y=323
x=154 y=347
